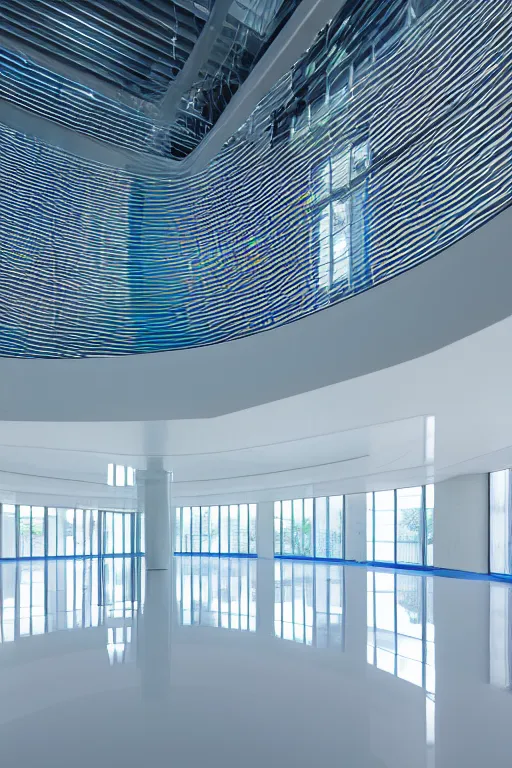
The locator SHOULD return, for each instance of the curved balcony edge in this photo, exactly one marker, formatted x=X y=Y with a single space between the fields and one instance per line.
x=458 y=292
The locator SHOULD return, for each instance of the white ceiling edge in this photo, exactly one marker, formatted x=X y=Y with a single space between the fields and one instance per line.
x=293 y=40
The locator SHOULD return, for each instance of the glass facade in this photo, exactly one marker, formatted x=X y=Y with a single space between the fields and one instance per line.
x=309 y=603
x=309 y=527
x=35 y=531
x=216 y=530
x=216 y=592
x=401 y=636
x=400 y=526
x=338 y=230
x=225 y=250
x=500 y=520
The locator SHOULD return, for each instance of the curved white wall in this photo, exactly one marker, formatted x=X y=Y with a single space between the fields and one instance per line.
x=459 y=292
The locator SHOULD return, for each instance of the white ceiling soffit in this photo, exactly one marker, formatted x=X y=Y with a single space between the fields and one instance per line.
x=296 y=37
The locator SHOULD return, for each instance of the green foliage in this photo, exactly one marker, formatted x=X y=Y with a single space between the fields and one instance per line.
x=411 y=522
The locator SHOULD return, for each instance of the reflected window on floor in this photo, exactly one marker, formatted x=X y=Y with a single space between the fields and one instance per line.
x=401 y=637
x=216 y=592
x=500 y=650
x=37 y=597
x=309 y=603
x=310 y=527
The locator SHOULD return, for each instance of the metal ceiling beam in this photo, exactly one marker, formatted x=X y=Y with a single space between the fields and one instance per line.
x=187 y=5
x=189 y=74
x=68 y=71
x=296 y=37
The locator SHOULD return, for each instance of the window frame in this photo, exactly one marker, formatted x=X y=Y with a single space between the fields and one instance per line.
x=317 y=502
x=423 y=533
x=229 y=542
x=344 y=193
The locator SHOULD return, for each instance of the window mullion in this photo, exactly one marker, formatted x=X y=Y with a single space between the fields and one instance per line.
x=395 y=517
x=423 y=526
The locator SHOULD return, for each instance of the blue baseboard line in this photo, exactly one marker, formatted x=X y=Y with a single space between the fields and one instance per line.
x=216 y=554
x=40 y=558
x=447 y=573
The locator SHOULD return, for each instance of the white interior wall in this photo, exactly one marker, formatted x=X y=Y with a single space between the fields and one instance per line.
x=355 y=527
x=265 y=529
x=461 y=523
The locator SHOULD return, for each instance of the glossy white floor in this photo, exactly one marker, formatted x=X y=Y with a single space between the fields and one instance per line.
x=251 y=662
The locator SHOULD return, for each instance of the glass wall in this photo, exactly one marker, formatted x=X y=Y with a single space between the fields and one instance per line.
x=500 y=552
x=139 y=234
x=50 y=595
x=400 y=526
x=34 y=531
x=309 y=528
x=309 y=603
x=216 y=530
x=401 y=637
x=216 y=592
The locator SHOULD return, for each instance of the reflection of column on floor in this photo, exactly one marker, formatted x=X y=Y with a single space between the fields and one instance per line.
x=265 y=598
x=357 y=694
x=461 y=614
x=355 y=610
x=154 y=661
x=355 y=527
x=154 y=650
x=153 y=488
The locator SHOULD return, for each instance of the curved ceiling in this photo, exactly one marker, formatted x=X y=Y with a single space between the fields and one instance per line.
x=437 y=416
x=447 y=298
x=176 y=66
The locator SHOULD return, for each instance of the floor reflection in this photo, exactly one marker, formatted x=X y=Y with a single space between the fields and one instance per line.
x=385 y=687
x=46 y=596
x=309 y=603
x=401 y=638
x=501 y=636
x=216 y=592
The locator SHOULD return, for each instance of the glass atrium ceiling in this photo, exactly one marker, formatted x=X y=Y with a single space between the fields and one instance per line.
x=152 y=61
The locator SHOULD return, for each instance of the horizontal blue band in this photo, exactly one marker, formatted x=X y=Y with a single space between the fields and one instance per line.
x=427 y=569
x=215 y=554
x=448 y=573
x=103 y=556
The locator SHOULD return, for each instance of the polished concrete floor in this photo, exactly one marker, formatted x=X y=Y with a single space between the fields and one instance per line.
x=242 y=662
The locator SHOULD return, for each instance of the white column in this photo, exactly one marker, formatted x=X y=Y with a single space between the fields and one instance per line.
x=355 y=527
x=461 y=523
x=265 y=535
x=153 y=487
